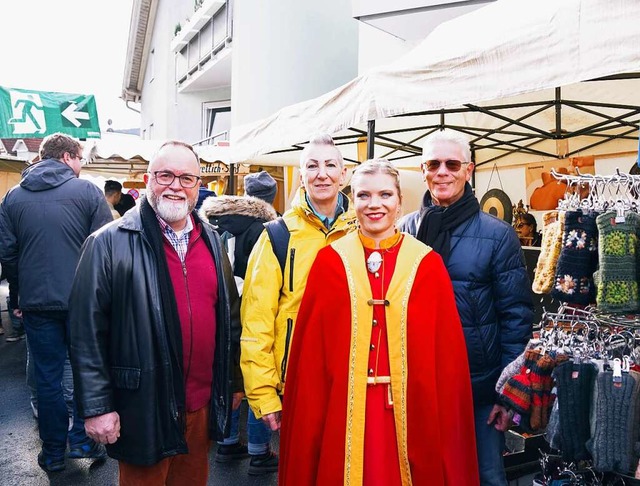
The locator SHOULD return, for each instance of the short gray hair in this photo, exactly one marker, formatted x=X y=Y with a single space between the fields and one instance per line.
x=376 y=166
x=320 y=138
x=451 y=136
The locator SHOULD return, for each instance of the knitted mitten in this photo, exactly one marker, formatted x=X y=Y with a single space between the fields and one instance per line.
x=617 y=288
x=510 y=370
x=612 y=445
x=578 y=260
x=575 y=384
x=552 y=232
x=540 y=375
x=517 y=392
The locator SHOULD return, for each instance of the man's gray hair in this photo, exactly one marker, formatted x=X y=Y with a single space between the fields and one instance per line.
x=320 y=138
x=451 y=136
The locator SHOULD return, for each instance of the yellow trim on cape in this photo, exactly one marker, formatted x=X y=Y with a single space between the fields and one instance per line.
x=351 y=251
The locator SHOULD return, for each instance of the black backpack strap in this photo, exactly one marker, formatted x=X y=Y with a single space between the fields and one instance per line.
x=279 y=237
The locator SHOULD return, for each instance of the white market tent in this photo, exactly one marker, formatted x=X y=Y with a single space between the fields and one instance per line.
x=515 y=75
x=129 y=155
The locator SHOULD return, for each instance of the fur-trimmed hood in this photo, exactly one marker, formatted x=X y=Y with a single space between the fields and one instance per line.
x=214 y=207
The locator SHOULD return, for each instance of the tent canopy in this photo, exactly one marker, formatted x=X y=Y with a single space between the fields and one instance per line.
x=516 y=76
x=126 y=154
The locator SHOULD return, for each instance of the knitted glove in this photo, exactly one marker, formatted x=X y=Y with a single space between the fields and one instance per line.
x=635 y=431
x=575 y=384
x=540 y=380
x=617 y=288
x=578 y=260
x=552 y=232
x=517 y=392
x=613 y=443
x=510 y=370
x=552 y=434
x=548 y=397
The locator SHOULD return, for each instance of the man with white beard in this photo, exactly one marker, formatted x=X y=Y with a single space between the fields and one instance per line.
x=155 y=331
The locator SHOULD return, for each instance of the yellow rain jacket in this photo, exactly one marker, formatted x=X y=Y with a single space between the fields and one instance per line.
x=270 y=302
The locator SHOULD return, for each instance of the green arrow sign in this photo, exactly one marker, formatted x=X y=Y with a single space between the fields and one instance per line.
x=36 y=114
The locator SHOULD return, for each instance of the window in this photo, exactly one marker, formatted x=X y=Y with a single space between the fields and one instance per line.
x=216 y=121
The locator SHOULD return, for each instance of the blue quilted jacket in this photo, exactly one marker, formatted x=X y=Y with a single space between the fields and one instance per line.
x=493 y=295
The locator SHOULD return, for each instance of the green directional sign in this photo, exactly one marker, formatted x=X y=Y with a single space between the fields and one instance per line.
x=36 y=114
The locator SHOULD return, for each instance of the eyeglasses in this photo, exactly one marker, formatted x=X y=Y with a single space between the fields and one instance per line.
x=82 y=160
x=166 y=178
x=452 y=165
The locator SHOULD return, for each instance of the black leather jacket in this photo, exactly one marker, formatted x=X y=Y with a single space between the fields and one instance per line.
x=119 y=348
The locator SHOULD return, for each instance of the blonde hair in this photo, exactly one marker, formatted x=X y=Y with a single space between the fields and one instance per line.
x=376 y=166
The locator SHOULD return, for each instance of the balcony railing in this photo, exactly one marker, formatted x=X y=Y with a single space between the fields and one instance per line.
x=202 y=38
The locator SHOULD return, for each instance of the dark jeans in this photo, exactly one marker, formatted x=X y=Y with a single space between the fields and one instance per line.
x=489 y=444
x=48 y=335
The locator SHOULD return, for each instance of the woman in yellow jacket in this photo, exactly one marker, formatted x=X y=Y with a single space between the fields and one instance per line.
x=320 y=214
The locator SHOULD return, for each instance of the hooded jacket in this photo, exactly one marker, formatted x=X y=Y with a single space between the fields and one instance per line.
x=43 y=223
x=119 y=342
x=270 y=305
x=244 y=218
x=493 y=296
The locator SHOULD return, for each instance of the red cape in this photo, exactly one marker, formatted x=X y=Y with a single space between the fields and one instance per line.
x=316 y=435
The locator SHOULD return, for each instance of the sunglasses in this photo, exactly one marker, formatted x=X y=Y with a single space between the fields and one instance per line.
x=452 y=165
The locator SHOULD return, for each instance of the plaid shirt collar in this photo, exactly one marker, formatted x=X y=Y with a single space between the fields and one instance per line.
x=180 y=243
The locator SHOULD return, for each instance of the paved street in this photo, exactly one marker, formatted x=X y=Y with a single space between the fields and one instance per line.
x=20 y=444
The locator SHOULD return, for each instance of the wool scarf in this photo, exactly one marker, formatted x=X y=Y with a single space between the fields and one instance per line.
x=173 y=331
x=437 y=222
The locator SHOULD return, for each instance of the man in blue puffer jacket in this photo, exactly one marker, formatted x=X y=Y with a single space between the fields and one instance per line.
x=490 y=282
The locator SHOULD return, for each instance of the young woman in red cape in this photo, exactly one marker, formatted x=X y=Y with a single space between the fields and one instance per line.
x=378 y=387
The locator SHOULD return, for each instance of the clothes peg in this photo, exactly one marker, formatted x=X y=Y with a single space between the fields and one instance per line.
x=617 y=372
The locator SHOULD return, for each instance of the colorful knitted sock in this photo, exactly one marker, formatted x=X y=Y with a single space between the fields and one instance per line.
x=517 y=392
x=578 y=260
x=552 y=232
x=617 y=288
x=575 y=385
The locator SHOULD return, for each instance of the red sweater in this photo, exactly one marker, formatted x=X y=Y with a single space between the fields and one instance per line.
x=195 y=285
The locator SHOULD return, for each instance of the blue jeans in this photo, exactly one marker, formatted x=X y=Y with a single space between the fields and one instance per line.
x=258 y=433
x=16 y=322
x=67 y=382
x=48 y=335
x=489 y=444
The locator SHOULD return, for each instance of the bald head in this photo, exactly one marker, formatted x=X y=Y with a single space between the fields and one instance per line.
x=178 y=152
x=172 y=180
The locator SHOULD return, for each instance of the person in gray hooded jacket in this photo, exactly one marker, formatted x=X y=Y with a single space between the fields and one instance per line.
x=43 y=223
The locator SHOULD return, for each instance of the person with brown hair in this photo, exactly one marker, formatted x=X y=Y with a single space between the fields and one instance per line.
x=43 y=223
